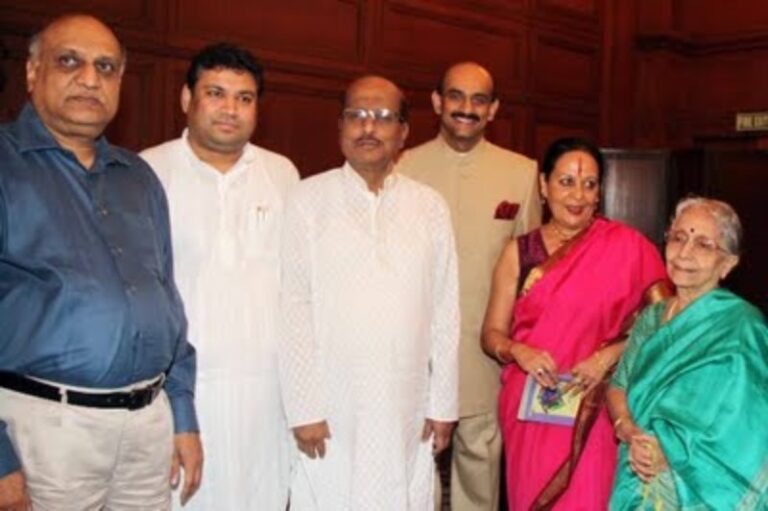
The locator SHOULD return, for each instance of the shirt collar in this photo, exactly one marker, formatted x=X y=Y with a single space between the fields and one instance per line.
x=468 y=156
x=33 y=135
x=248 y=157
x=351 y=176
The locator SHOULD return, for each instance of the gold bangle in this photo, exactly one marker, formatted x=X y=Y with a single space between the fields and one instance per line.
x=618 y=421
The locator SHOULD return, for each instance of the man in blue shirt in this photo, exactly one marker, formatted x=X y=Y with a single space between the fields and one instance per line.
x=93 y=345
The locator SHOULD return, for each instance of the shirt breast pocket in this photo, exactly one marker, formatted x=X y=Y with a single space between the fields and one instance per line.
x=262 y=230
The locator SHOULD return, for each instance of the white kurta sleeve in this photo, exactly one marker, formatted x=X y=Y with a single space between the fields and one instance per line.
x=444 y=375
x=300 y=361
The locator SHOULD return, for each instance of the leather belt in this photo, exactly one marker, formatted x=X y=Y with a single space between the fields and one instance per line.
x=131 y=400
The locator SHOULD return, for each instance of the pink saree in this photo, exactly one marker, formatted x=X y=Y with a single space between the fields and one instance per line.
x=580 y=303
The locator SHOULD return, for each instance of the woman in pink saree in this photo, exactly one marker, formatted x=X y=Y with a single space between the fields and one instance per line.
x=563 y=297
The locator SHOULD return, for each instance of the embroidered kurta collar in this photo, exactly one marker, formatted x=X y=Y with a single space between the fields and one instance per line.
x=355 y=180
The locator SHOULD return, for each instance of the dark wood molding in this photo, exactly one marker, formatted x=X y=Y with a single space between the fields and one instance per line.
x=692 y=46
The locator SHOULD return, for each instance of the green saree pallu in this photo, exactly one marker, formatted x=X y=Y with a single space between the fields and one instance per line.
x=699 y=383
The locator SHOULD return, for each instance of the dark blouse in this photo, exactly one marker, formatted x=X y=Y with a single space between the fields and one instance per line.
x=531 y=252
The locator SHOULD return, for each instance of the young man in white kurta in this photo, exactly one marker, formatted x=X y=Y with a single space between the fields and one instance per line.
x=226 y=236
x=370 y=310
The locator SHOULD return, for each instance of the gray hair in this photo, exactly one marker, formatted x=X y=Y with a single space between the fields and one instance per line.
x=33 y=49
x=34 y=45
x=725 y=217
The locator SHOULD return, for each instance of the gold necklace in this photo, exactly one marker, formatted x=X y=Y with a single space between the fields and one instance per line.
x=560 y=234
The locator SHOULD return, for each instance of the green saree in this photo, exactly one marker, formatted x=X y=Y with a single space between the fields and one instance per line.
x=699 y=383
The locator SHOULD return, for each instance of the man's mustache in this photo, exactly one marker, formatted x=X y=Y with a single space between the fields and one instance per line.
x=470 y=117
x=85 y=97
x=367 y=138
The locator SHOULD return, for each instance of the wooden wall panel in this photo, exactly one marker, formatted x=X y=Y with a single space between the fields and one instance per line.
x=619 y=75
x=549 y=125
x=311 y=50
x=422 y=43
x=634 y=190
x=564 y=69
x=656 y=16
x=662 y=101
x=482 y=7
x=724 y=84
x=697 y=65
x=299 y=115
x=510 y=129
x=13 y=83
x=141 y=19
x=715 y=17
x=489 y=13
x=424 y=125
x=730 y=81
x=174 y=77
x=314 y=147
x=586 y=8
x=322 y=28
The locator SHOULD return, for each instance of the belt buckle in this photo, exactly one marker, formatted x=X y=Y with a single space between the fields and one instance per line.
x=136 y=399
x=139 y=398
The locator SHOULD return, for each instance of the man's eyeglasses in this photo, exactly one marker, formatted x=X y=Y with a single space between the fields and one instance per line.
x=380 y=116
x=701 y=244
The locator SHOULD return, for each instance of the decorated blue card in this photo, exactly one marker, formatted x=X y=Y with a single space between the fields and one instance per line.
x=550 y=406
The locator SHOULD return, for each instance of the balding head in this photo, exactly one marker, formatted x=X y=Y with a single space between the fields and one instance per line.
x=81 y=20
x=371 y=142
x=462 y=70
x=465 y=101
x=383 y=86
x=74 y=72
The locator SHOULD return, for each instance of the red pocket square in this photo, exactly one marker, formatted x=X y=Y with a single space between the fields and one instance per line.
x=506 y=210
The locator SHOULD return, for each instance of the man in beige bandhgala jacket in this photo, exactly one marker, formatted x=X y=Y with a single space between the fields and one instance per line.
x=492 y=196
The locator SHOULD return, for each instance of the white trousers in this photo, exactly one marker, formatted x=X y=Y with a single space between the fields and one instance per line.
x=246 y=443
x=76 y=458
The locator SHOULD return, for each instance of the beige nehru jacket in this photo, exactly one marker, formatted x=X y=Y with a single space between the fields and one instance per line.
x=473 y=184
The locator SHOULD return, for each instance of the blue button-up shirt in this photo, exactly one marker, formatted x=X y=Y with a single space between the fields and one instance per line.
x=87 y=295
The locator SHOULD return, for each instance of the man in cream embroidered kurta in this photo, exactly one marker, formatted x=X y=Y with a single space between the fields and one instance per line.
x=370 y=311
x=226 y=234
x=475 y=176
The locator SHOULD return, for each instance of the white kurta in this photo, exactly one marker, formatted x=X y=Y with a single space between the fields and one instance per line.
x=226 y=242
x=370 y=312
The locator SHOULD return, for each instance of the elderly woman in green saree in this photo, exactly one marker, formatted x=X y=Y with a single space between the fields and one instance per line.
x=689 y=399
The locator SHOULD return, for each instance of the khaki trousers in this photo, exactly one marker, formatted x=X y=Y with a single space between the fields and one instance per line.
x=76 y=458
x=476 y=462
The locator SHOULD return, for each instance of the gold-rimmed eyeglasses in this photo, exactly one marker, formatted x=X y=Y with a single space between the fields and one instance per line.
x=380 y=116
x=701 y=245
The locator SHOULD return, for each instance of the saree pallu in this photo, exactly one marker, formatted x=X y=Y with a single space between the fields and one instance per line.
x=699 y=383
x=580 y=302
